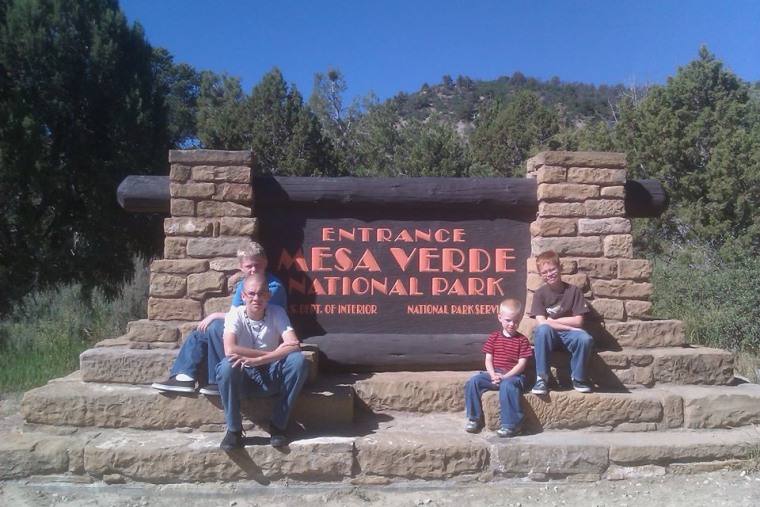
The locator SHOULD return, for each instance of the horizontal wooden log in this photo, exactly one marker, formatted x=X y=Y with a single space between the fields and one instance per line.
x=150 y=194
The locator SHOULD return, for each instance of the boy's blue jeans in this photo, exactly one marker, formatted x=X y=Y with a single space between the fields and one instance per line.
x=284 y=377
x=510 y=392
x=578 y=342
x=200 y=346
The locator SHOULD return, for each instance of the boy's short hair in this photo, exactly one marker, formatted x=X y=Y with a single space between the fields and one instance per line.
x=548 y=257
x=251 y=249
x=511 y=305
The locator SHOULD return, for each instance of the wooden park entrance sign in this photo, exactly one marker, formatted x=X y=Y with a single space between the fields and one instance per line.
x=385 y=273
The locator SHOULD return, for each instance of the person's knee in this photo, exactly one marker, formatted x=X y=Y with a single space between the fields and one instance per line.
x=542 y=332
x=224 y=369
x=297 y=361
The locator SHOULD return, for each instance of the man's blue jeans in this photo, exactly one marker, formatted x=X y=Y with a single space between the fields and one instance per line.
x=284 y=377
x=578 y=342
x=510 y=394
x=199 y=347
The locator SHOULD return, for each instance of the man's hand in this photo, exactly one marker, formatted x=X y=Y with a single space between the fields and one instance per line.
x=239 y=361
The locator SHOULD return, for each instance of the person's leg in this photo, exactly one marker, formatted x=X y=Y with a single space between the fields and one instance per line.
x=230 y=389
x=191 y=355
x=215 y=332
x=473 y=390
x=580 y=345
x=545 y=340
x=510 y=398
x=288 y=375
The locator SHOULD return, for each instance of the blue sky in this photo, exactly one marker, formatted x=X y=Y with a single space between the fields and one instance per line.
x=388 y=46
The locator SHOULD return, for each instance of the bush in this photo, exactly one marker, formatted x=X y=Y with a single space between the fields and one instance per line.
x=43 y=336
x=717 y=299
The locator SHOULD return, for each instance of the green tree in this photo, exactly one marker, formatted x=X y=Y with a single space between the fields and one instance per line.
x=508 y=133
x=698 y=135
x=224 y=122
x=431 y=149
x=80 y=109
x=182 y=85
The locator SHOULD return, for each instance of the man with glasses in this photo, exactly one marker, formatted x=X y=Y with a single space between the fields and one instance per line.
x=263 y=358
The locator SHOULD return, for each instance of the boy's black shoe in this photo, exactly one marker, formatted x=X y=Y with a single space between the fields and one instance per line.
x=277 y=436
x=210 y=390
x=540 y=387
x=473 y=426
x=232 y=440
x=507 y=432
x=581 y=387
x=175 y=386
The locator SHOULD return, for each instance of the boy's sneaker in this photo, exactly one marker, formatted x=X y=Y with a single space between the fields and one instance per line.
x=277 y=436
x=473 y=426
x=175 y=386
x=507 y=432
x=210 y=390
x=540 y=387
x=232 y=440
x=581 y=386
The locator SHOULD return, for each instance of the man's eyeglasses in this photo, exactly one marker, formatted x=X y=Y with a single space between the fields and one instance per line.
x=261 y=294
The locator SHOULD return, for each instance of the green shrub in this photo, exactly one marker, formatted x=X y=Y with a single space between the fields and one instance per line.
x=719 y=300
x=43 y=336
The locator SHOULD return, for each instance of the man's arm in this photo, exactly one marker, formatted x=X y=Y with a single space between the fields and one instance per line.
x=202 y=325
x=265 y=358
x=562 y=323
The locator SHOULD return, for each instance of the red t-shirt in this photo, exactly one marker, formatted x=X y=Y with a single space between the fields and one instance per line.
x=506 y=350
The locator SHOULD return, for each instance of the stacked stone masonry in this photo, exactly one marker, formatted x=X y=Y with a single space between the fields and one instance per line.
x=581 y=216
x=211 y=218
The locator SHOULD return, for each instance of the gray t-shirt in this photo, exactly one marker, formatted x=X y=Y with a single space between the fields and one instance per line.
x=262 y=334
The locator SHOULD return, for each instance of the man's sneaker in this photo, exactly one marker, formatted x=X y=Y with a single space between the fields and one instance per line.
x=581 y=386
x=232 y=440
x=540 y=387
x=175 y=386
x=507 y=432
x=277 y=436
x=210 y=390
x=473 y=426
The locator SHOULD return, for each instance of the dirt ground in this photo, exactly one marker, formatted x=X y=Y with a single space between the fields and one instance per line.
x=731 y=488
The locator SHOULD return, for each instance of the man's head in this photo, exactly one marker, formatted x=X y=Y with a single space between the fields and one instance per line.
x=549 y=268
x=252 y=259
x=255 y=295
x=510 y=314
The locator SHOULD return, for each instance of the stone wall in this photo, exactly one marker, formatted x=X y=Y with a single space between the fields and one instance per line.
x=211 y=217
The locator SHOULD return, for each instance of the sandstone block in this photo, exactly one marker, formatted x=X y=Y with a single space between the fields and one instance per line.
x=211 y=157
x=180 y=173
x=551 y=174
x=182 y=207
x=603 y=226
x=698 y=365
x=188 y=227
x=597 y=268
x=618 y=245
x=614 y=191
x=580 y=280
x=533 y=282
x=223 y=174
x=576 y=247
x=413 y=391
x=566 y=192
x=238 y=192
x=216 y=247
x=595 y=175
x=220 y=304
x=608 y=160
x=200 y=285
x=145 y=330
x=721 y=407
x=26 y=454
x=225 y=264
x=561 y=209
x=652 y=333
x=551 y=458
x=174 y=309
x=191 y=190
x=174 y=248
x=634 y=269
x=179 y=266
x=221 y=209
x=609 y=308
x=553 y=227
x=166 y=285
x=621 y=289
x=639 y=310
x=230 y=226
x=604 y=208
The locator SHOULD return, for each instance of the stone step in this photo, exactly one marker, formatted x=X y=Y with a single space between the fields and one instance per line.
x=126 y=365
x=608 y=369
x=382 y=449
x=663 y=407
x=71 y=402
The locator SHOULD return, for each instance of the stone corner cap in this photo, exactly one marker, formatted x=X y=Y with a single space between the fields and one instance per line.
x=211 y=157
x=605 y=159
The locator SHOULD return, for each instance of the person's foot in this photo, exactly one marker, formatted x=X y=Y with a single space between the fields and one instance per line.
x=505 y=432
x=581 y=386
x=232 y=440
x=277 y=436
x=175 y=386
x=473 y=426
x=540 y=387
x=210 y=390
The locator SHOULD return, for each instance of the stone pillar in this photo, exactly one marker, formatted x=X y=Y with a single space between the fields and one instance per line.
x=211 y=217
x=581 y=216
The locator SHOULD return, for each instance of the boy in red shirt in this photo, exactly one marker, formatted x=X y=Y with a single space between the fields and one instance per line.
x=507 y=353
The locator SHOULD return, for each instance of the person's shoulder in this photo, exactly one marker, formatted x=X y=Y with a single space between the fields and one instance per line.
x=272 y=279
x=276 y=311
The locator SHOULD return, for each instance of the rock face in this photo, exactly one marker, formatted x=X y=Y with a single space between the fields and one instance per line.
x=658 y=404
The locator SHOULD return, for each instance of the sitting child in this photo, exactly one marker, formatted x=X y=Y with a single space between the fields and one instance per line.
x=507 y=353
